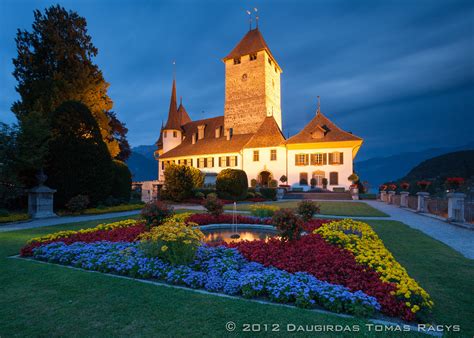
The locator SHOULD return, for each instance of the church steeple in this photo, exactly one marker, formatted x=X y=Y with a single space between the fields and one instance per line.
x=174 y=121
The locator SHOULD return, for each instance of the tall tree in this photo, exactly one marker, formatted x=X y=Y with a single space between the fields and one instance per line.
x=55 y=64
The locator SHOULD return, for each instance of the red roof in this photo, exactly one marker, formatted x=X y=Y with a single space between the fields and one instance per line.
x=321 y=129
x=267 y=135
x=252 y=42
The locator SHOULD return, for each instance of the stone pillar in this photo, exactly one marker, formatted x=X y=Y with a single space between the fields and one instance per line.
x=422 y=205
x=456 y=207
x=40 y=202
x=390 y=197
x=383 y=196
x=404 y=199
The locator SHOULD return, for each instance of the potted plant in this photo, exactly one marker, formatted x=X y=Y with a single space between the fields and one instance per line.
x=453 y=183
x=405 y=186
x=392 y=187
x=383 y=187
x=423 y=185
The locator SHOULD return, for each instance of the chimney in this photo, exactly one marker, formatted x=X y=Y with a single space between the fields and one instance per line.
x=218 y=132
x=229 y=134
x=194 y=138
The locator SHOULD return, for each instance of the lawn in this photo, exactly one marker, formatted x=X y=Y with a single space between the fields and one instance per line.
x=39 y=299
x=327 y=208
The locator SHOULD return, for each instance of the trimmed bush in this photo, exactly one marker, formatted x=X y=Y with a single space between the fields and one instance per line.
x=199 y=195
x=198 y=177
x=253 y=183
x=78 y=203
x=122 y=182
x=307 y=209
x=232 y=184
x=156 y=212
x=213 y=205
x=179 y=182
x=289 y=225
x=273 y=184
x=268 y=193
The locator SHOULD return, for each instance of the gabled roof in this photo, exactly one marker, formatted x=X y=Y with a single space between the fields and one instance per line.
x=322 y=123
x=209 y=144
x=267 y=135
x=252 y=42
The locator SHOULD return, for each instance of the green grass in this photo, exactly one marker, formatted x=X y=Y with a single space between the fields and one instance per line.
x=38 y=299
x=327 y=208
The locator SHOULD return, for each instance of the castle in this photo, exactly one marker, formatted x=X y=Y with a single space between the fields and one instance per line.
x=249 y=134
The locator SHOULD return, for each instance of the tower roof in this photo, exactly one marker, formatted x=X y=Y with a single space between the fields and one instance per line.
x=174 y=121
x=267 y=135
x=183 y=114
x=321 y=129
x=252 y=42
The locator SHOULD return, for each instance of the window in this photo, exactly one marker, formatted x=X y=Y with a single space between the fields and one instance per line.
x=318 y=159
x=232 y=160
x=201 y=162
x=336 y=158
x=218 y=132
x=210 y=162
x=273 y=155
x=162 y=165
x=253 y=56
x=276 y=70
x=201 y=131
x=236 y=61
x=333 y=178
x=269 y=61
x=223 y=161
x=303 y=178
x=175 y=134
x=301 y=159
x=256 y=156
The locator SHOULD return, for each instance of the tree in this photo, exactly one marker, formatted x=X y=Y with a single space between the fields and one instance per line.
x=54 y=65
x=232 y=184
x=178 y=182
x=122 y=181
x=198 y=177
x=78 y=162
x=9 y=185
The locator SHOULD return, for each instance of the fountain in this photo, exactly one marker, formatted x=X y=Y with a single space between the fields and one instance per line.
x=235 y=235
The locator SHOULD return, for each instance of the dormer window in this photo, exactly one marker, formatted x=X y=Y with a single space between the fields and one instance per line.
x=193 y=140
x=236 y=61
x=165 y=133
x=318 y=132
x=218 y=131
x=253 y=56
x=269 y=61
x=201 y=131
x=175 y=134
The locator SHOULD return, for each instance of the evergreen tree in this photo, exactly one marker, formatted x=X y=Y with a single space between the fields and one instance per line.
x=78 y=162
x=54 y=65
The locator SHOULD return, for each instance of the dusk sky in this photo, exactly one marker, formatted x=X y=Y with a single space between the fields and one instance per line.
x=400 y=74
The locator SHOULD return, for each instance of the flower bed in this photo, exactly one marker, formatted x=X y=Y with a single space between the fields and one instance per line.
x=214 y=269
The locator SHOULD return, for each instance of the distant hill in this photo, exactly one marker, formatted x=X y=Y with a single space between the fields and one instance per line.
x=383 y=169
x=456 y=164
x=142 y=164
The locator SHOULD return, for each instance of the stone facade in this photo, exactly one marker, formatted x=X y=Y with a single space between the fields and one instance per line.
x=252 y=91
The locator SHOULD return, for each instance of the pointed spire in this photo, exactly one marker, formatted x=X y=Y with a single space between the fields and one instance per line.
x=173 y=121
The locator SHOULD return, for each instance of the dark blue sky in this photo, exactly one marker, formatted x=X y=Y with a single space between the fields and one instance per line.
x=400 y=74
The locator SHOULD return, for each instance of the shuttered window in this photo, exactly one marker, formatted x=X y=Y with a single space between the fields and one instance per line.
x=232 y=161
x=210 y=162
x=333 y=178
x=336 y=158
x=318 y=159
x=256 y=156
x=301 y=159
x=273 y=155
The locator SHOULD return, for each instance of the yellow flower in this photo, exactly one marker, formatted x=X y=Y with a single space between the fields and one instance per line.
x=164 y=248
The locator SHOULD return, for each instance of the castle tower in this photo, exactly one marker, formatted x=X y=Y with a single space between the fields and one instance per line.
x=172 y=134
x=252 y=85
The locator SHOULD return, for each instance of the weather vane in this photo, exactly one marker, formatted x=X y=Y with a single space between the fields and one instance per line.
x=250 y=19
x=256 y=16
x=319 y=104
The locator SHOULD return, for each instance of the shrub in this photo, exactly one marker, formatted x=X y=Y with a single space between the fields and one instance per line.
x=122 y=182
x=262 y=210
x=156 y=212
x=353 y=177
x=112 y=201
x=269 y=193
x=205 y=191
x=4 y=213
x=213 y=205
x=288 y=224
x=78 y=203
x=173 y=242
x=250 y=195
x=253 y=182
x=273 y=184
x=198 y=177
x=179 y=182
x=307 y=209
x=199 y=194
x=232 y=184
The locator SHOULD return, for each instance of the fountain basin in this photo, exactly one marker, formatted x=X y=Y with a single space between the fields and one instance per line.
x=247 y=232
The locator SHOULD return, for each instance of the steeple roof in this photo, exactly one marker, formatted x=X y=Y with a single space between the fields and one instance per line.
x=184 y=117
x=267 y=135
x=174 y=121
x=321 y=129
x=252 y=42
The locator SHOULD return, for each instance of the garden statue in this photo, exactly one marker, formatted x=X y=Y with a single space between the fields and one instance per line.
x=40 y=199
